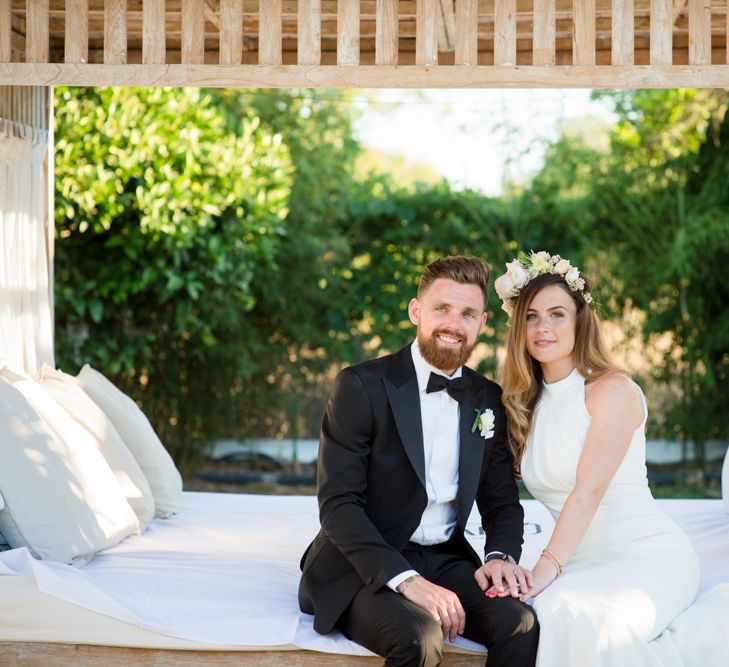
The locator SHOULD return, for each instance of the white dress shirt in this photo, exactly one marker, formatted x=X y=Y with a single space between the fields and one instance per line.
x=439 y=413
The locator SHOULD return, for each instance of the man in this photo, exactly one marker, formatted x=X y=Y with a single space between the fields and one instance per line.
x=408 y=442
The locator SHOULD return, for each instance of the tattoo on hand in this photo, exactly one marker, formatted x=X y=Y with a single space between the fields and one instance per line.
x=406 y=582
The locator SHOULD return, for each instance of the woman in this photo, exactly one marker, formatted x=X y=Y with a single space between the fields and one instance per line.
x=617 y=570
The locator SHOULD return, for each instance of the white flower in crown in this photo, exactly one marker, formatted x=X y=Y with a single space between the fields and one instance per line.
x=484 y=422
x=525 y=268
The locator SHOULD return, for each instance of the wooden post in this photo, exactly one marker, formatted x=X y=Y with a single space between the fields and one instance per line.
x=583 y=36
x=269 y=33
x=348 y=32
x=37 y=40
x=661 y=32
x=386 y=32
x=545 y=27
x=623 y=33
x=115 y=32
x=505 y=32
x=466 y=32
x=309 y=33
x=153 y=32
x=699 y=32
x=193 y=32
x=426 y=32
x=76 y=33
x=231 y=32
x=6 y=31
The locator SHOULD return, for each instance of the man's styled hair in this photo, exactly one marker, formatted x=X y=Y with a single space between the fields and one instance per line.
x=460 y=269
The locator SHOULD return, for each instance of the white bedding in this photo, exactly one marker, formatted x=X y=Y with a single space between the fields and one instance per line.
x=224 y=574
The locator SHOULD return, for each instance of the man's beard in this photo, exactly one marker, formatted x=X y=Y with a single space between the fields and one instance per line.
x=444 y=358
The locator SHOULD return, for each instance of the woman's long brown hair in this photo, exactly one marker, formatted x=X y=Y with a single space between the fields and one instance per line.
x=521 y=378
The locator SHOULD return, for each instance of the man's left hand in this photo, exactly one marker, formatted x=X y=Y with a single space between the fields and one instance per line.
x=498 y=578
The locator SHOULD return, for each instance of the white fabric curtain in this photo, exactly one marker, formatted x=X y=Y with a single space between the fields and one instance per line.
x=26 y=327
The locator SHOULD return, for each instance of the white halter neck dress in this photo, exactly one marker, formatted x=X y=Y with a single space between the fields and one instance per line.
x=634 y=571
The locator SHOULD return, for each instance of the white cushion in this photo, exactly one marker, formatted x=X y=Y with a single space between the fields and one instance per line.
x=62 y=501
x=140 y=438
x=67 y=392
x=725 y=481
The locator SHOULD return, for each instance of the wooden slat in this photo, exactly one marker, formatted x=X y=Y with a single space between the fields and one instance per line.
x=545 y=27
x=79 y=655
x=193 y=32
x=37 y=42
x=231 y=32
x=153 y=32
x=661 y=32
x=505 y=32
x=699 y=32
x=366 y=76
x=583 y=46
x=6 y=31
x=623 y=44
x=309 y=27
x=467 y=32
x=115 y=32
x=76 y=35
x=426 y=32
x=387 y=30
x=447 y=27
x=269 y=33
x=348 y=32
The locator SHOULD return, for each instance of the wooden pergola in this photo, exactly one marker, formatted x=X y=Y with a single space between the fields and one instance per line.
x=365 y=43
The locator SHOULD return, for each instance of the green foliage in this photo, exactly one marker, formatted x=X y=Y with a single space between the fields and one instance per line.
x=164 y=221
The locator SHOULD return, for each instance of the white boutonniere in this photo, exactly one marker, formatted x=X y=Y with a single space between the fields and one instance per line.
x=484 y=422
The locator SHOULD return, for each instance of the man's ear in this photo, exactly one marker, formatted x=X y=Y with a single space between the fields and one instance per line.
x=483 y=322
x=414 y=311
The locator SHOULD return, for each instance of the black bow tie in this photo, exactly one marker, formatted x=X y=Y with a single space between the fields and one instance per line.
x=456 y=388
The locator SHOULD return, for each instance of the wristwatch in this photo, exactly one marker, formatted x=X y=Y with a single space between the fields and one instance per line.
x=499 y=555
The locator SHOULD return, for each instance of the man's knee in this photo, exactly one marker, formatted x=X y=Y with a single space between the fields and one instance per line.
x=517 y=619
x=418 y=644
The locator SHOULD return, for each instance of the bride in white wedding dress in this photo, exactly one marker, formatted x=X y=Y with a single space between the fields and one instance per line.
x=617 y=571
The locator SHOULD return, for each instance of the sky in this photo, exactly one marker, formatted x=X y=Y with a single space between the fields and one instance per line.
x=474 y=138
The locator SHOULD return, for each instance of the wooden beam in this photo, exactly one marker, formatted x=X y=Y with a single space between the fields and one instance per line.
x=37 y=40
x=505 y=32
x=387 y=30
x=269 y=33
x=193 y=32
x=661 y=32
x=370 y=76
x=348 y=32
x=467 y=32
x=6 y=31
x=309 y=29
x=699 y=32
x=154 y=32
x=446 y=27
x=231 y=32
x=426 y=32
x=115 y=32
x=583 y=45
x=76 y=35
x=545 y=27
x=622 y=42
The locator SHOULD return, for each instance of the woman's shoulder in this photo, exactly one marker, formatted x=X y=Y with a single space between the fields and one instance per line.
x=614 y=392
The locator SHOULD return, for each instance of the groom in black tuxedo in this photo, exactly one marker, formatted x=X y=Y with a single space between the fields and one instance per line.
x=408 y=442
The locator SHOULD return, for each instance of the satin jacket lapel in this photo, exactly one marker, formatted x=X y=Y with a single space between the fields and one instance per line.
x=470 y=456
x=401 y=386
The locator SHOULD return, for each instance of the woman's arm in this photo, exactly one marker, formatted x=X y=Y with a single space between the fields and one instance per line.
x=616 y=410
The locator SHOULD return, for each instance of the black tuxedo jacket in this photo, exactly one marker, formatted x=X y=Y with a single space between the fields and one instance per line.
x=371 y=480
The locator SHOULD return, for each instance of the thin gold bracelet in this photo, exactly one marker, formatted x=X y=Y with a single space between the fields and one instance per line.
x=553 y=559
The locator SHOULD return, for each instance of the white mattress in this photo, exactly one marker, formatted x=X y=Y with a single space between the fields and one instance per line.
x=223 y=575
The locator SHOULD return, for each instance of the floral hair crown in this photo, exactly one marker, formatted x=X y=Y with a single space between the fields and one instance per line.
x=525 y=268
